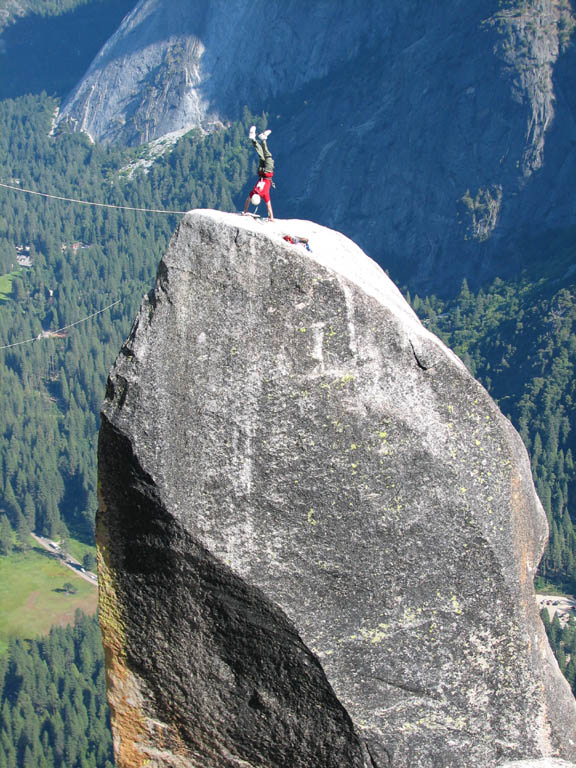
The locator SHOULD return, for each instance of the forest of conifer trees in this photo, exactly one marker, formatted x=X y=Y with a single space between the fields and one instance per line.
x=53 y=708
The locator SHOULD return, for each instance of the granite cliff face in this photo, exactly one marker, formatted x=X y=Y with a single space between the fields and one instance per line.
x=545 y=763
x=433 y=134
x=317 y=533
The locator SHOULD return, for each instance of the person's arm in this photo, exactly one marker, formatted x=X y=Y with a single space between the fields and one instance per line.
x=270 y=211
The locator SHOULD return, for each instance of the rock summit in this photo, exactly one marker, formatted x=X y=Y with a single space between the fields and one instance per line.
x=317 y=532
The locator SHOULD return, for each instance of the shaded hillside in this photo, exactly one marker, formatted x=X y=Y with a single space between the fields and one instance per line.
x=51 y=46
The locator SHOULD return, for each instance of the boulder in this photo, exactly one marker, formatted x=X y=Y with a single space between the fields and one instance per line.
x=317 y=533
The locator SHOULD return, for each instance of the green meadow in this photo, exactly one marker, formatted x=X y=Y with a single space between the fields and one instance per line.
x=6 y=285
x=33 y=598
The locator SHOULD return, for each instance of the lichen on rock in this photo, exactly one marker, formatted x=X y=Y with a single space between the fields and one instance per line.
x=319 y=532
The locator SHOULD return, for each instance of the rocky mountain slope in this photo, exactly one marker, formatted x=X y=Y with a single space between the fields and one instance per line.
x=433 y=134
x=317 y=533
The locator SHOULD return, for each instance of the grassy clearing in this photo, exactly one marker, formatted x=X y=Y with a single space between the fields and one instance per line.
x=32 y=598
x=6 y=284
x=78 y=549
x=542 y=587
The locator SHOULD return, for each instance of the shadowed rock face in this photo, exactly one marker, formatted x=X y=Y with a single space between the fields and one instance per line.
x=317 y=533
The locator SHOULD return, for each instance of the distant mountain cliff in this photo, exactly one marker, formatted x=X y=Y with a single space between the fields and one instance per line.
x=317 y=533
x=440 y=136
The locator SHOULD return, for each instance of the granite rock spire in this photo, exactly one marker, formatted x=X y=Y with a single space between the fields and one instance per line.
x=317 y=533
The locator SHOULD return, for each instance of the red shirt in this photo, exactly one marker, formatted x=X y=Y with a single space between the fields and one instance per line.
x=262 y=188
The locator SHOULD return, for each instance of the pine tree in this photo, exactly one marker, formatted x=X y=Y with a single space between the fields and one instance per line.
x=6 y=536
x=22 y=532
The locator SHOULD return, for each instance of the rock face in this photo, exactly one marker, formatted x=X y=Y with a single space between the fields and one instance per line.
x=545 y=763
x=317 y=533
x=432 y=134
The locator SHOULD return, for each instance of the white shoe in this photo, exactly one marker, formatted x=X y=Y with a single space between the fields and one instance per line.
x=264 y=136
x=252 y=134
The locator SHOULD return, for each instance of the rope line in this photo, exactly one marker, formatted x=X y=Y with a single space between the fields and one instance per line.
x=48 y=334
x=88 y=202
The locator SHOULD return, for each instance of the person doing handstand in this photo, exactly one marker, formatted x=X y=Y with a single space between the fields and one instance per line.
x=261 y=190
